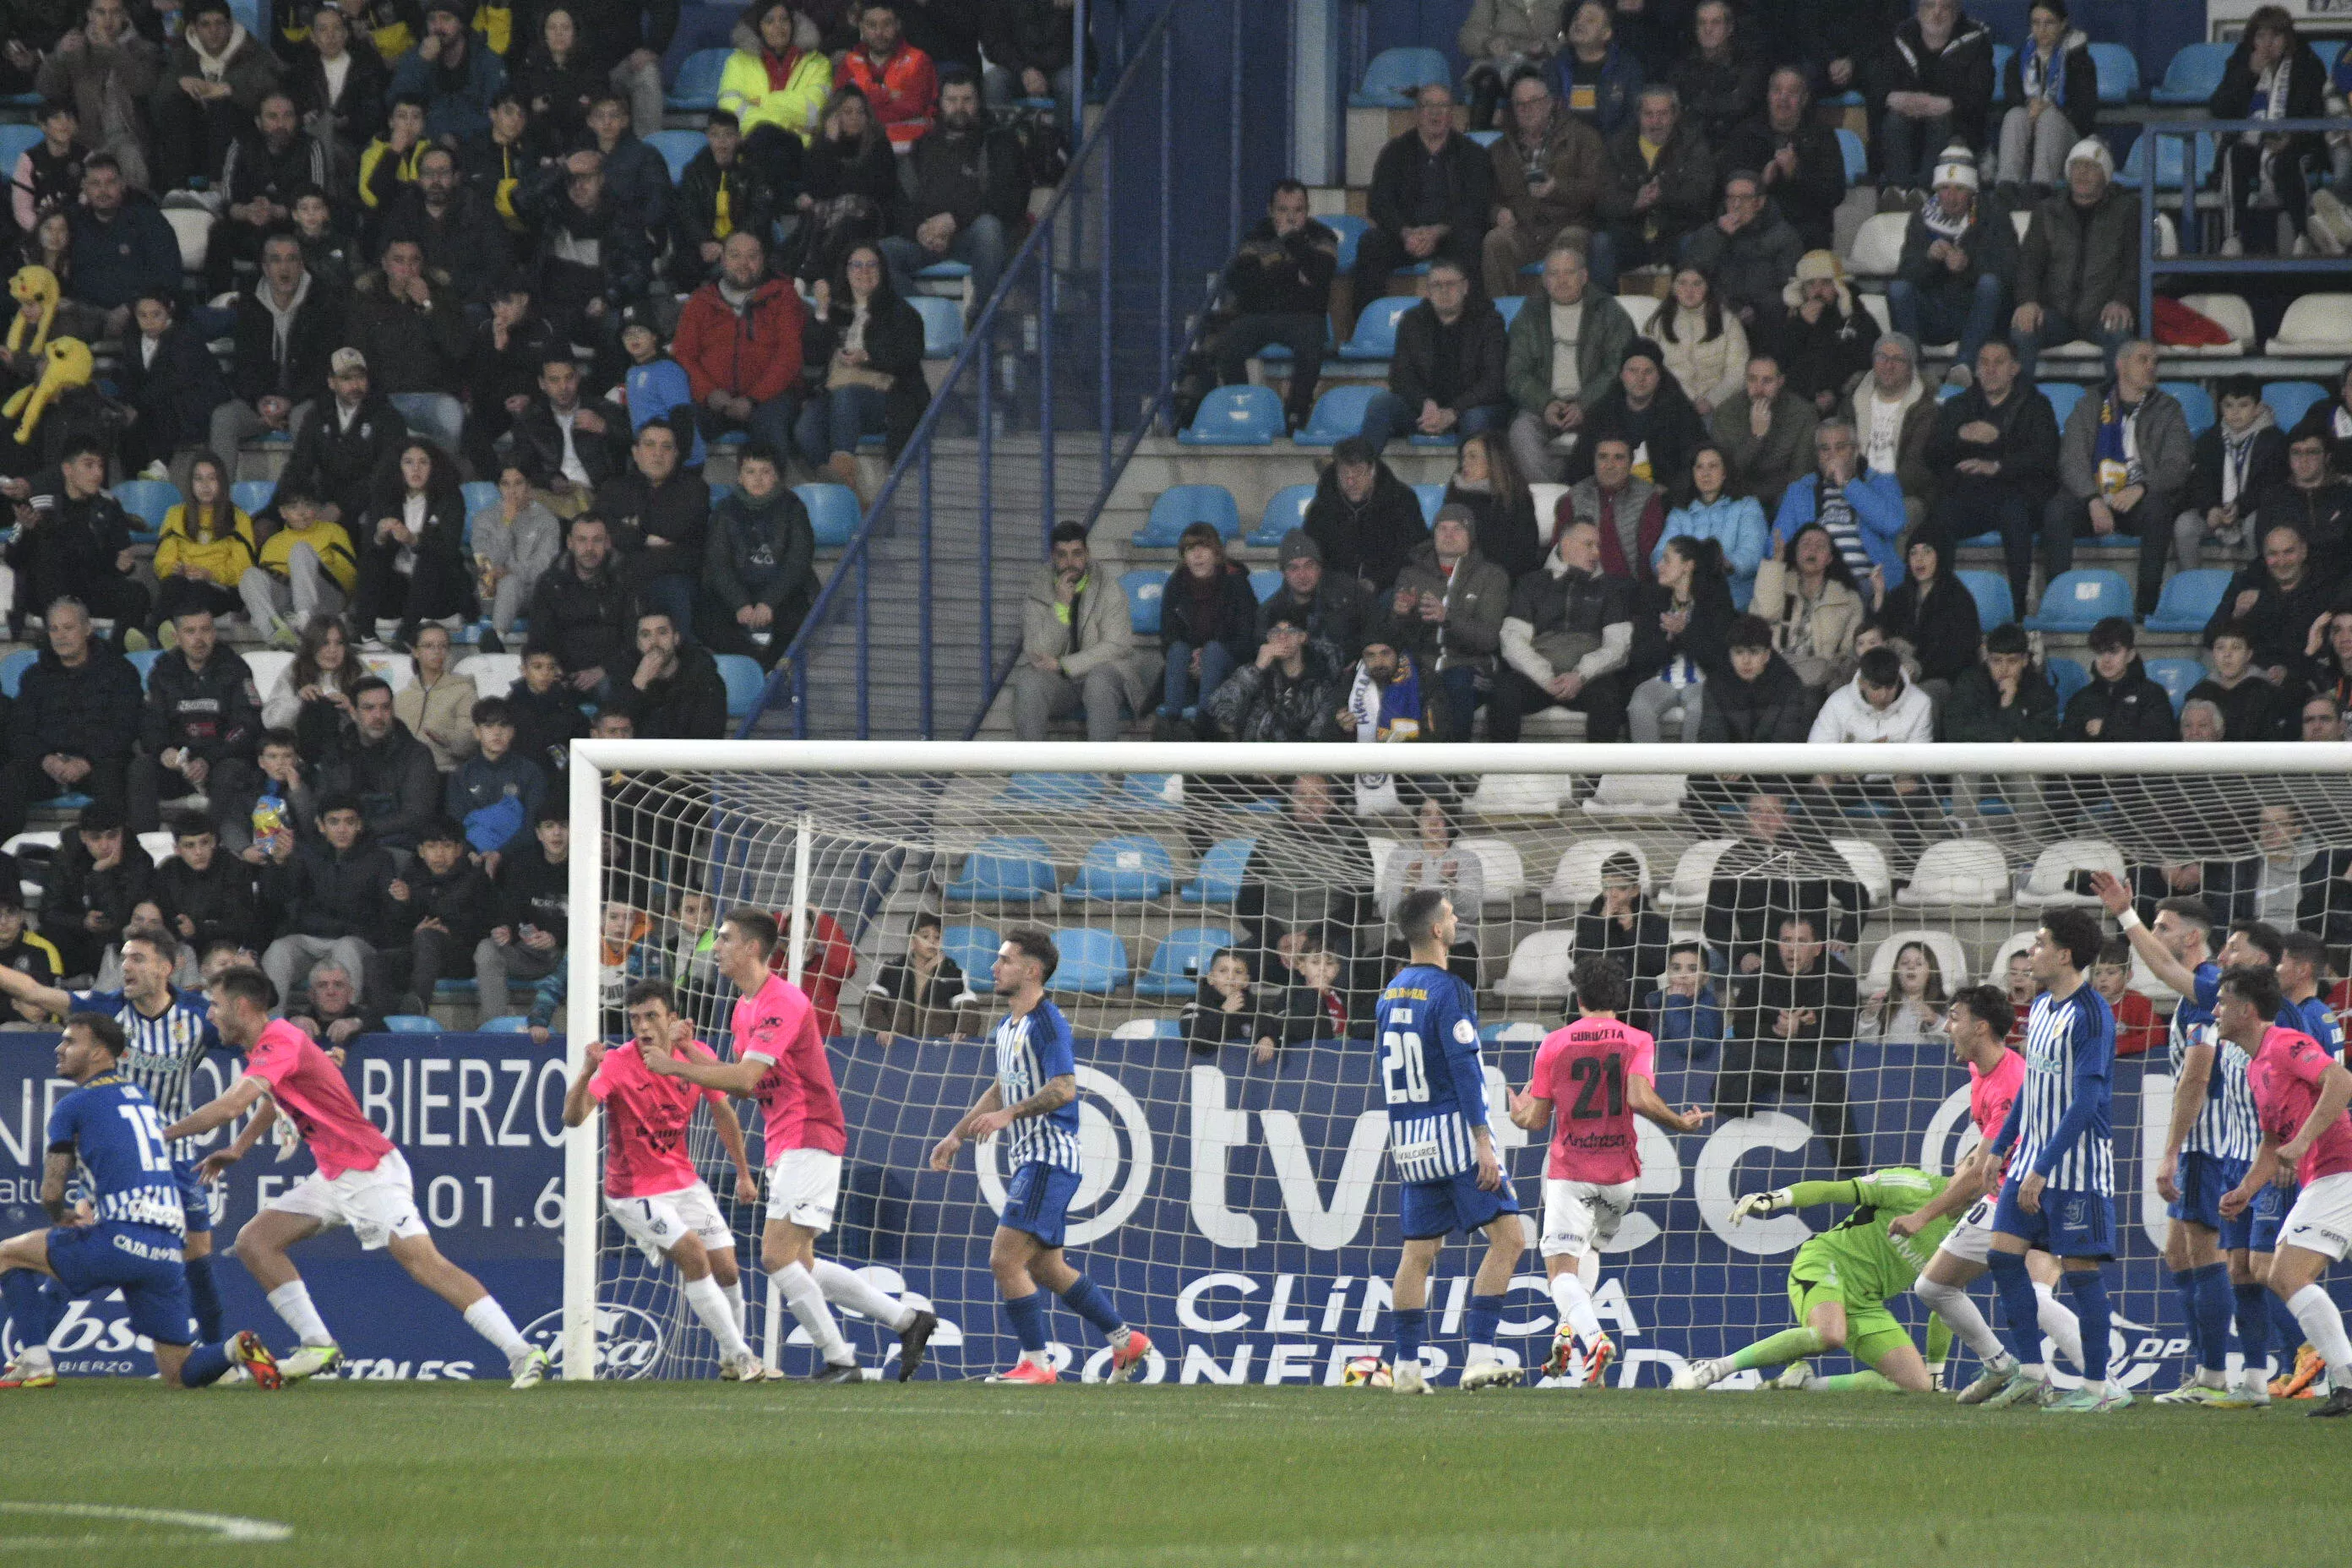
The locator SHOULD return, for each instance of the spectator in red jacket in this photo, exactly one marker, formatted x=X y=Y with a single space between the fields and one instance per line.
x=898 y=79
x=739 y=340
x=826 y=961
x=2136 y=1030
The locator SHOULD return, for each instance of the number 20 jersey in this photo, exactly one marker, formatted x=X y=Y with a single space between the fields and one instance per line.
x=1582 y=1070
x=1430 y=1070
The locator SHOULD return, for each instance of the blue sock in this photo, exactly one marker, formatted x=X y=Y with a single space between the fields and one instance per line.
x=1411 y=1325
x=2253 y=1324
x=205 y=1365
x=1485 y=1316
x=2210 y=1288
x=2089 y=1288
x=2020 y=1329
x=204 y=1296
x=2184 y=1290
x=1093 y=1306
x=1028 y=1315
x=37 y=1312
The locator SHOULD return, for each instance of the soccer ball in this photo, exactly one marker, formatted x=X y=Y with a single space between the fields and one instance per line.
x=1366 y=1372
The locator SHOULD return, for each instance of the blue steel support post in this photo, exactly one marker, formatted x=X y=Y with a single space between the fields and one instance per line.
x=1103 y=299
x=1045 y=376
x=865 y=643
x=1234 y=171
x=1167 y=192
x=2145 y=326
x=923 y=599
x=986 y=365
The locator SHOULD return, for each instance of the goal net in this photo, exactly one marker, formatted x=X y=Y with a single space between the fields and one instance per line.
x=1793 y=921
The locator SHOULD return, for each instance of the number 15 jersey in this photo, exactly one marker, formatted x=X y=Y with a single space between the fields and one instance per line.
x=1434 y=1076
x=1582 y=1070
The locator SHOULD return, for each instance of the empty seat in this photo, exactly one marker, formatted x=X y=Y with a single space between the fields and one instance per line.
x=1990 y=590
x=1520 y=794
x=411 y=1023
x=192 y=228
x=695 y=90
x=1178 y=963
x=253 y=496
x=1509 y=306
x=1521 y=1033
x=1133 y=867
x=1004 y=871
x=266 y=664
x=1498 y=863
x=1544 y=497
x=2078 y=600
x=1431 y=497
x=1351 y=230
x=2178 y=676
x=2055 y=868
x=1857 y=156
x=1284 y=509
x=2118 y=71
x=678 y=149
x=972 y=947
x=1641 y=309
x=1540 y=966
x=2196 y=404
x=1178 y=507
x=2189 y=599
x=1693 y=872
x=1143 y=589
x=833 y=512
x=1149 y=1029
x=148 y=501
x=1957 y=871
x=1218 y=879
x=1152 y=791
x=1338 y=413
x=1878 y=246
x=159 y=845
x=1576 y=880
x=512 y=1024
x=2289 y=401
x=2067 y=677
x=1376 y=328
x=1391 y=77
x=2063 y=396
x=1052 y=791
x=1093 y=962
x=1637 y=794
x=2228 y=311
x=1265 y=583
x=1236 y=417
x=14 y=139
x=1868 y=861
x=2170 y=159
x=2315 y=324
x=2193 y=75
x=143 y=661
x=744 y=680
x=942 y=325
x=493 y=674
x=1951 y=959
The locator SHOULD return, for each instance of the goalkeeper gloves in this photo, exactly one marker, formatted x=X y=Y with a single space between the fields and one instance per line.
x=1762 y=1203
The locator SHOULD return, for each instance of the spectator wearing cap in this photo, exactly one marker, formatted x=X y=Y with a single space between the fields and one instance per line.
x=1333 y=607
x=1208 y=624
x=660 y=517
x=1801 y=163
x=2123 y=465
x=1661 y=182
x=2051 y=87
x=73 y=539
x=1626 y=509
x=1824 y=342
x=1995 y=459
x=287 y=326
x=1893 y=417
x=266 y=165
x=1561 y=356
x=1749 y=251
x=98 y=873
x=721 y=194
x=1766 y=433
x=739 y=342
x=2120 y=702
x=1934 y=86
x=595 y=257
x=452 y=71
x=759 y=571
x=69 y=730
x=1649 y=410
x=2002 y=697
x=2278 y=598
x=1366 y=520
x=1280 y=283
x=1447 y=609
x=2231 y=464
x=1431 y=195
x=199 y=724
x=1566 y=640
x=898 y=79
x=411 y=327
x=2078 y=270
x=213 y=80
x=457 y=233
x=1959 y=251
x=1446 y=377
x=1078 y=647
x=1383 y=701
x=1548 y=170
x=968 y=190
x=1289 y=692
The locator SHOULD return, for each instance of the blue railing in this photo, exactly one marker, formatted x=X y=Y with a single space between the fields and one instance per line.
x=921 y=620
x=2190 y=226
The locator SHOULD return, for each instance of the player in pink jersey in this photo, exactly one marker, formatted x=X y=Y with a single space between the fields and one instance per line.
x=651 y=1187
x=2300 y=1094
x=362 y=1182
x=1978 y=1019
x=1604 y=1073
x=780 y=1061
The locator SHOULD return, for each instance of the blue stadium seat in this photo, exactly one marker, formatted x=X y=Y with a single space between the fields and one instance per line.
x=833 y=512
x=148 y=501
x=1857 y=156
x=1280 y=352
x=1178 y=507
x=678 y=149
x=1392 y=76
x=2193 y=75
x=2169 y=160
x=2002 y=55
x=249 y=14
x=512 y=1024
x=1265 y=583
x=1219 y=880
x=1052 y=791
x=1990 y=590
x=2189 y=599
x=945 y=271
x=972 y=947
x=16 y=141
x=412 y=1023
x=2118 y=71
x=1149 y=792
x=1351 y=230
x=2289 y=401
x=1236 y=417
x=13 y=667
x=2067 y=677
x=1508 y=307
x=2063 y=396
x=2080 y=599
x=466 y=990
x=1093 y=962
x=744 y=677
x=1177 y=963
x=1485 y=138
x=1338 y=413
x=942 y=325
x=2330 y=50
x=252 y=497
x=695 y=90
x=1132 y=867
x=1431 y=497
x=1143 y=589
x=143 y=662
x=1375 y=333
x=480 y=495
x=1284 y=509
x=2196 y=404
x=1006 y=870
x=2177 y=675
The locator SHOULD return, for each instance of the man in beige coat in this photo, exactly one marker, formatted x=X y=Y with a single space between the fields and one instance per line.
x=1078 y=646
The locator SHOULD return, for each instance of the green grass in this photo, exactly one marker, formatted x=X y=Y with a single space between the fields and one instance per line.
x=880 y=1476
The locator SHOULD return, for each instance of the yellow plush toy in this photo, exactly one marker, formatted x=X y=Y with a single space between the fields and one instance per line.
x=35 y=289
x=68 y=367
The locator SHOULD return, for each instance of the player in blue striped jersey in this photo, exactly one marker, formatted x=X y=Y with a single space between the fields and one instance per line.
x=2209 y=1142
x=1436 y=1081
x=169 y=1032
x=2060 y=1192
x=2301 y=974
x=124 y=1234
x=1035 y=1103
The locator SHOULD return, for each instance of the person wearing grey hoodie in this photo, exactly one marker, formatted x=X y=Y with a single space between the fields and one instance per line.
x=2123 y=465
x=1448 y=609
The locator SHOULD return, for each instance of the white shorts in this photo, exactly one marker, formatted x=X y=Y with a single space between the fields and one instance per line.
x=379 y=1204
x=657 y=1222
x=2321 y=1219
x=1581 y=1216
x=1971 y=1240
x=803 y=1184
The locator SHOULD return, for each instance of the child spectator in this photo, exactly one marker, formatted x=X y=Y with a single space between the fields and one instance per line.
x=2136 y=1030
x=532 y=913
x=1222 y=1011
x=1312 y=1006
x=923 y=994
x=206 y=897
x=1910 y=1011
x=95 y=878
x=495 y=795
x=333 y=895
x=1684 y=1013
x=34 y=957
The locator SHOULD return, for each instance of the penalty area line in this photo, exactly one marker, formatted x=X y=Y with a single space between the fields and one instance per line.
x=192 y=1529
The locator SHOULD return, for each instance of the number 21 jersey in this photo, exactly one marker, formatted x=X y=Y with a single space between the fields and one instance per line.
x=1433 y=1077
x=1582 y=1071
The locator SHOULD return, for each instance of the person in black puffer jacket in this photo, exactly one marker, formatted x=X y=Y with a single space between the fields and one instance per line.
x=1208 y=626
x=2121 y=703
x=1280 y=281
x=78 y=701
x=659 y=514
x=1932 y=618
x=206 y=896
x=1757 y=696
x=1367 y=519
x=332 y=895
x=585 y=613
x=202 y=707
x=759 y=572
x=96 y=877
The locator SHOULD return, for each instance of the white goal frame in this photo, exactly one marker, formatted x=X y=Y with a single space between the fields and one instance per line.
x=592 y=760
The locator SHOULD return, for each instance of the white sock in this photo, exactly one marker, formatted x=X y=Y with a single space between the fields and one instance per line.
x=291 y=1301
x=33 y=1358
x=489 y=1319
x=2322 y=1325
x=734 y=1294
x=801 y=1294
x=1588 y=1268
x=1575 y=1304
x=1958 y=1309
x=2058 y=1320
x=852 y=1289
x=1037 y=1358
x=710 y=1304
x=2210 y=1377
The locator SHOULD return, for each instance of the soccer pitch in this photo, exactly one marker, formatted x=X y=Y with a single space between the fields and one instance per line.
x=1072 y=1476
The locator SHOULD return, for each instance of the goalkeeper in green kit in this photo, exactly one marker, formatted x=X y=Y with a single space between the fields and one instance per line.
x=1839 y=1283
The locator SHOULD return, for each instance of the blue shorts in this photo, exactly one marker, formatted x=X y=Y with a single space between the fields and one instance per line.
x=1037 y=1200
x=142 y=1261
x=2069 y=1224
x=2266 y=1217
x=2203 y=1179
x=1453 y=1203
x=195 y=1198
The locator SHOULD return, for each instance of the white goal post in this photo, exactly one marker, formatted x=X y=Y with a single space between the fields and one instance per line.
x=1243 y=1210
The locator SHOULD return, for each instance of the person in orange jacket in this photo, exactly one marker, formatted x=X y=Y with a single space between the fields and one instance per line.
x=898 y=79
x=828 y=961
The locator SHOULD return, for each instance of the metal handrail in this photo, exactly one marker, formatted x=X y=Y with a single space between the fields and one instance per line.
x=2151 y=263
